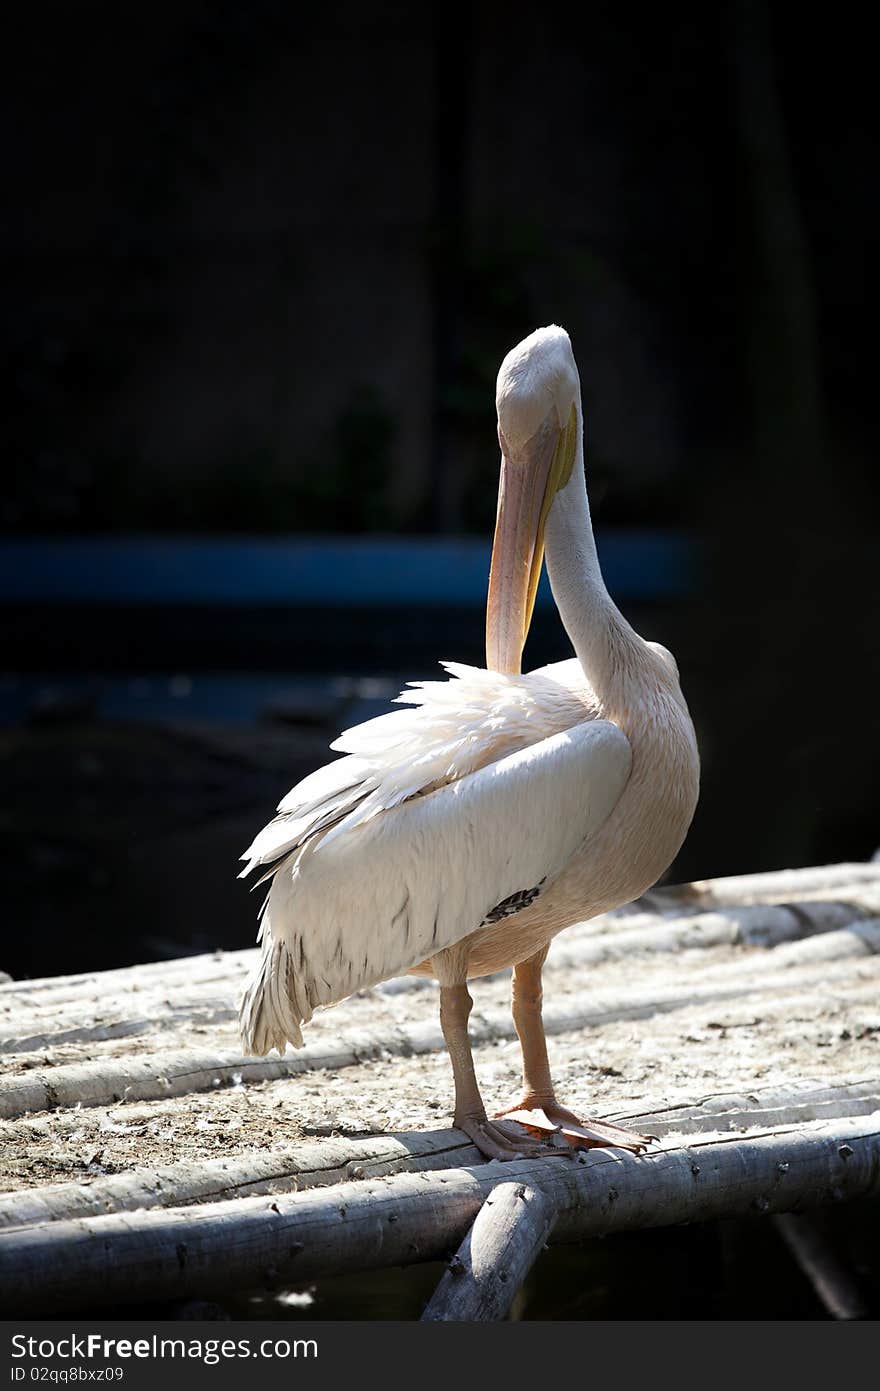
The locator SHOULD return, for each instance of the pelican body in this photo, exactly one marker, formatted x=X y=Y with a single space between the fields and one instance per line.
x=457 y=836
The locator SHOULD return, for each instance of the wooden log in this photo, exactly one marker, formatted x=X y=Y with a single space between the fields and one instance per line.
x=859 y=938
x=283 y=1169
x=831 y=1281
x=833 y=949
x=211 y=966
x=152 y=1013
x=227 y=970
x=185 y=1071
x=757 y=925
x=670 y=900
x=773 y=885
x=736 y=1112
x=311 y=1164
x=258 y=1242
x=150 y=1076
x=760 y=924
x=102 y=1015
x=615 y=936
x=488 y=1269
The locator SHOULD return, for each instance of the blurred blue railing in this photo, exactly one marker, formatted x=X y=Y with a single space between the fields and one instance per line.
x=319 y=571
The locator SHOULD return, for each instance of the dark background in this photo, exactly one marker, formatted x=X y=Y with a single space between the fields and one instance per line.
x=263 y=262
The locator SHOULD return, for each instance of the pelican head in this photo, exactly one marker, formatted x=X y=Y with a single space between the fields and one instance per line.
x=537 y=402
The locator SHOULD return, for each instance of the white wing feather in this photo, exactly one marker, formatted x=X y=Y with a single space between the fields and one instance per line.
x=436 y=816
x=458 y=726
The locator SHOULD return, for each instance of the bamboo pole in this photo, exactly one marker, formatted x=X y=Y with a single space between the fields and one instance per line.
x=270 y=1241
x=311 y=1164
x=185 y=1071
x=488 y=1269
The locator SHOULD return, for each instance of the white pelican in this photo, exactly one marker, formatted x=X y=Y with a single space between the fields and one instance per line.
x=459 y=835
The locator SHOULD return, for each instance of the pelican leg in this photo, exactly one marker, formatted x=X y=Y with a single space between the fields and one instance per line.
x=527 y=992
x=538 y=1110
x=494 y=1139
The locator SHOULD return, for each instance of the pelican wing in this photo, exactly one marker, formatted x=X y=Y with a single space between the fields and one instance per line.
x=458 y=726
x=371 y=893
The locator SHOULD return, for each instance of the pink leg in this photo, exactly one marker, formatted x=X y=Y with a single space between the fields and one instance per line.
x=539 y=1111
x=494 y=1139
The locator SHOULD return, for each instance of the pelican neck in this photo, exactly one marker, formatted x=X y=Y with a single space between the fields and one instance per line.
x=607 y=647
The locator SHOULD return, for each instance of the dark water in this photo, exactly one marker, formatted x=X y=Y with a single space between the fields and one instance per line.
x=732 y=1270
x=720 y=1270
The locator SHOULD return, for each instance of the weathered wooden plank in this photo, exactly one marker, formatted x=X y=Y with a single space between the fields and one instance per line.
x=761 y=1108
x=799 y=951
x=255 y=1242
x=778 y=885
x=98 y=1022
x=211 y=966
x=185 y=1071
x=488 y=1269
x=283 y=1169
x=756 y=925
x=859 y=938
x=311 y=1164
x=839 y=882
x=152 y=1076
x=844 y=928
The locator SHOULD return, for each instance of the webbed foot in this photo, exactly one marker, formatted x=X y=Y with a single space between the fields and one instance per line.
x=508 y=1139
x=551 y=1119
